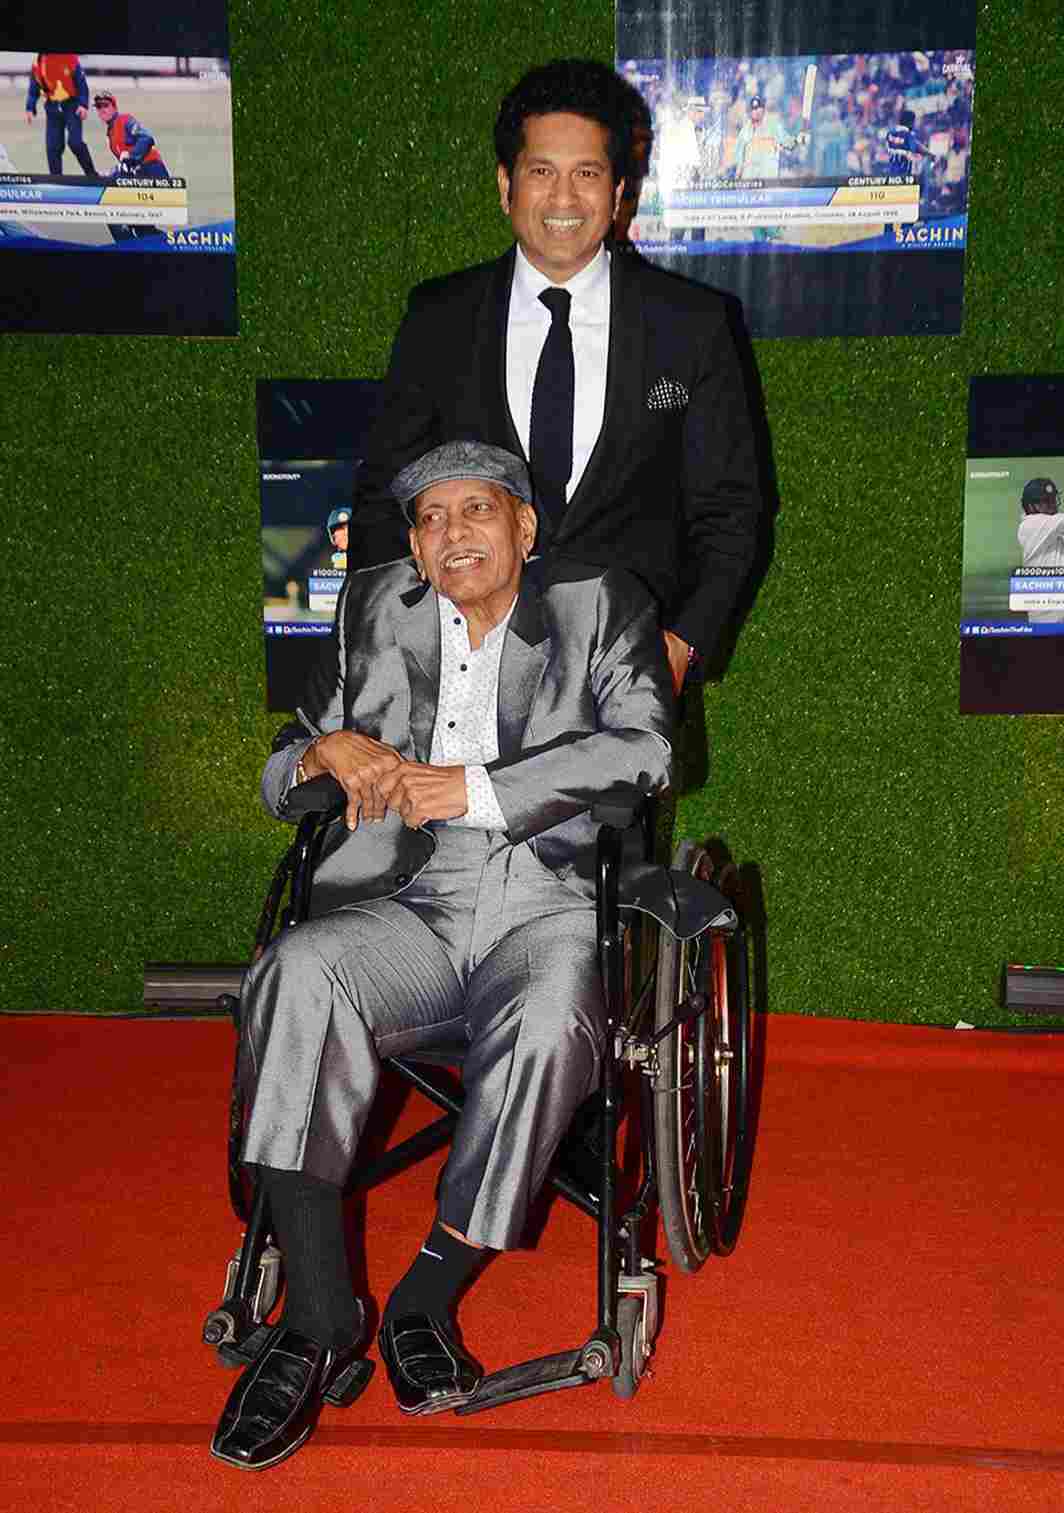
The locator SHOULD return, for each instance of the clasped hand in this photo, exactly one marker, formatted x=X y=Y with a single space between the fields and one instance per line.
x=376 y=778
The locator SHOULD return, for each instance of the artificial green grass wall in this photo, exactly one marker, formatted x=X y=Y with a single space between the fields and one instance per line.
x=906 y=851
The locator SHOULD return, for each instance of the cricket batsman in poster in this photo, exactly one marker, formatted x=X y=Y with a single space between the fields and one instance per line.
x=1041 y=539
x=760 y=144
x=338 y=526
x=136 y=155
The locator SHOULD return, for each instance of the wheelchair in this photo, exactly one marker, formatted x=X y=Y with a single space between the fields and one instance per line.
x=675 y=947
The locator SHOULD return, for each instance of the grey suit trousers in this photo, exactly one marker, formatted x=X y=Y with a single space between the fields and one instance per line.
x=487 y=945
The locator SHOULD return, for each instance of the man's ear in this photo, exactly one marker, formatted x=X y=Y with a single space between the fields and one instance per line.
x=415 y=552
x=618 y=195
x=529 y=525
x=503 y=180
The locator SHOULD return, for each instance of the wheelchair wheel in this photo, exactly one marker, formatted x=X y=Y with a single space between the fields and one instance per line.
x=703 y=1132
x=634 y=1351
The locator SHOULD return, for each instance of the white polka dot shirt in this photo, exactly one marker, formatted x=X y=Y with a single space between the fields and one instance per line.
x=467 y=715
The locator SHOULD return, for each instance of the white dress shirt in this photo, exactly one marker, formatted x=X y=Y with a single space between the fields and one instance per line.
x=526 y=331
x=1041 y=540
x=466 y=733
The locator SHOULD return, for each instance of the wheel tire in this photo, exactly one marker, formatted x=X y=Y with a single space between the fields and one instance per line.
x=723 y=1100
x=633 y=1346
x=703 y=1133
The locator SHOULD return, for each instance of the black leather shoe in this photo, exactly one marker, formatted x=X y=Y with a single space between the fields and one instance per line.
x=274 y=1406
x=428 y=1369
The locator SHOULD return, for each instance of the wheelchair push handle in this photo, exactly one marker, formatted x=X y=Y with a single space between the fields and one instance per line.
x=619 y=807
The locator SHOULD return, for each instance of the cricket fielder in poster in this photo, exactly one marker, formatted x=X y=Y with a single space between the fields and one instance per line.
x=905 y=147
x=60 y=79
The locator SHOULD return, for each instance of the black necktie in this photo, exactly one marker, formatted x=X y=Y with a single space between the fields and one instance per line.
x=550 y=441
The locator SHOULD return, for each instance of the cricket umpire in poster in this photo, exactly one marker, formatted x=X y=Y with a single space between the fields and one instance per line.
x=60 y=79
x=621 y=384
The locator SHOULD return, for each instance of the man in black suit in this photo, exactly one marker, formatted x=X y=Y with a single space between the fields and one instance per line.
x=663 y=476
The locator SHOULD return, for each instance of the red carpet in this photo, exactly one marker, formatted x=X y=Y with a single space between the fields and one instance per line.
x=888 y=1334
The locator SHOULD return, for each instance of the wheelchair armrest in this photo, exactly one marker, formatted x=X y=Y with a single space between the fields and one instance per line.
x=317 y=796
x=619 y=807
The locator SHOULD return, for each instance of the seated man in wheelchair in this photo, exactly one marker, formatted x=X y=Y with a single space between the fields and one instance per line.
x=473 y=709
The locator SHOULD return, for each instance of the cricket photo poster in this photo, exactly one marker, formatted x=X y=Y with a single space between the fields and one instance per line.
x=814 y=161
x=1012 y=584
x=310 y=435
x=117 y=208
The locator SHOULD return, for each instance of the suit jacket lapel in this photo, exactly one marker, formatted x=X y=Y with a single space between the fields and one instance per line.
x=492 y=320
x=418 y=633
x=625 y=388
x=524 y=656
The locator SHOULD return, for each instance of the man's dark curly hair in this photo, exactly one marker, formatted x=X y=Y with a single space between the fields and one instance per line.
x=580 y=87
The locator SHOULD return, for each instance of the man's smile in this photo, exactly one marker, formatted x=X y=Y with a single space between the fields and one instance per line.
x=465 y=556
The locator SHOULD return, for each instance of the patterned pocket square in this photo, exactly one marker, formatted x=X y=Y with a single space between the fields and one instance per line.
x=667 y=394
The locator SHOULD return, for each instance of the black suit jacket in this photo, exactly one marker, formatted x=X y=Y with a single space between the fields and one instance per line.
x=671 y=489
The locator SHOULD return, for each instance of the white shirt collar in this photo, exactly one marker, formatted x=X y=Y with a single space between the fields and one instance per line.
x=589 y=288
x=450 y=612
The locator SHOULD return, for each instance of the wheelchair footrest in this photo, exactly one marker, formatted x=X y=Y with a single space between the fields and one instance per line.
x=549 y=1373
x=241 y=1353
x=351 y=1383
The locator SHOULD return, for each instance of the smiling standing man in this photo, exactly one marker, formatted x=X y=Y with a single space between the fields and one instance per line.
x=619 y=383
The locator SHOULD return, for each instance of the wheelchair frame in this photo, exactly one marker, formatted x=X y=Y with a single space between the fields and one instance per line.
x=691 y=1041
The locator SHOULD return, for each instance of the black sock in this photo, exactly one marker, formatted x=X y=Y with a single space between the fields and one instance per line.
x=308 y=1225
x=440 y=1270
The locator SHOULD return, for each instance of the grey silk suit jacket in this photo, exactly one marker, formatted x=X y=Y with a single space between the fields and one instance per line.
x=585 y=703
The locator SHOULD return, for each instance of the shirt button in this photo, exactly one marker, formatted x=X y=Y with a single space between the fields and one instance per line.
x=458 y=619
x=401 y=879
x=464 y=668
x=450 y=724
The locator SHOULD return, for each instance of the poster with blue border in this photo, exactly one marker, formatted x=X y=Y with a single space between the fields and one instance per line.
x=1012 y=576
x=117 y=152
x=815 y=161
x=1013 y=569
x=117 y=205
x=311 y=434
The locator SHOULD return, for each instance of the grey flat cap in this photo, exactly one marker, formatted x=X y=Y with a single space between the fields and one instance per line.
x=461 y=459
